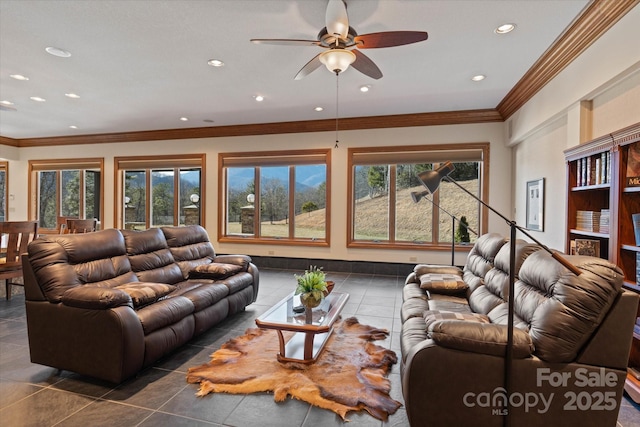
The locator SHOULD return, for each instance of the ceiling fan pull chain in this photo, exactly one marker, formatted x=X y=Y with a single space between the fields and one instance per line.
x=337 y=109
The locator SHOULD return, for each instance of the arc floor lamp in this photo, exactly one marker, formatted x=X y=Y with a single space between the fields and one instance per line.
x=431 y=181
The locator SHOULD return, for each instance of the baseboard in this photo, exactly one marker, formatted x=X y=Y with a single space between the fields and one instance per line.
x=339 y=266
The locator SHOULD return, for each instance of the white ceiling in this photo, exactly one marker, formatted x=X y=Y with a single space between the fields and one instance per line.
x=141 y=65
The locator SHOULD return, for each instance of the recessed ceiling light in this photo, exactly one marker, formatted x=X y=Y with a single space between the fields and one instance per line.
x=505 y=28
x=184 y=119
x=6 y=102
x=478 y=77
x=56 y=51
x=215 y=63
x=318 y=109
x=72 y=95
x=19 y=77
x=259 y=98
x=37 y=99
x=73 y=127
x=365 y=88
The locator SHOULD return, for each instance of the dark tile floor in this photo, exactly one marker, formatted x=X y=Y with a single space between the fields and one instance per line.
x=35 y=395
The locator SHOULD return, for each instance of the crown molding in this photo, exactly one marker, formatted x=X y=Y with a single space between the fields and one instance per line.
x=596 y=18
x=353 y=123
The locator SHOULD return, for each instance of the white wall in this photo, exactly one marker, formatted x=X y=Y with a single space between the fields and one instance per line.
x=608 y=75
x=499 y=191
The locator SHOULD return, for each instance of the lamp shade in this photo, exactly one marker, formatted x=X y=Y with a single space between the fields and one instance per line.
x=337 y=60
x=431 y=179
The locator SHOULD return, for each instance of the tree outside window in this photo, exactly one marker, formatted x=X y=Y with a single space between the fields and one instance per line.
x=266 y=197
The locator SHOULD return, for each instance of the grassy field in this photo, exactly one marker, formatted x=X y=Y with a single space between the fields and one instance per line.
x=371 y=217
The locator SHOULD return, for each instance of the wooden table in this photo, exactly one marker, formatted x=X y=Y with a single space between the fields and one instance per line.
x=312 y=327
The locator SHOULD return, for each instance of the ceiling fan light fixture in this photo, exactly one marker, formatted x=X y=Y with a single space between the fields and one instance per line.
x=337 y=60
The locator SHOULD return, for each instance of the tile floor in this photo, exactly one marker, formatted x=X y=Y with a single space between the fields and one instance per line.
x=35 y=395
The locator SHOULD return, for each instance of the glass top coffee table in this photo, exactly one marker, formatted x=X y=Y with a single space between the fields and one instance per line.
x=312 y=327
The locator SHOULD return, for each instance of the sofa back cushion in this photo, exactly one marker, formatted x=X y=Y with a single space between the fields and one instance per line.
x=61 y=262
x=190 y=247
x=494 y=290
x=150 y=256
x=563 y=310
x=480 y=259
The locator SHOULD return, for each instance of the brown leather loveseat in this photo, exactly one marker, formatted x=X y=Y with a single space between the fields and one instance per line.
x=109 y=303
x=572 y=338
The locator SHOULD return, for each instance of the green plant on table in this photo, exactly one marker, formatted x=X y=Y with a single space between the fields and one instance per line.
x=312 y=282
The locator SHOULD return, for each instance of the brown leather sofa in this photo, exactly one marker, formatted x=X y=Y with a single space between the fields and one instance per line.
x=109 y=303
x=571 y=341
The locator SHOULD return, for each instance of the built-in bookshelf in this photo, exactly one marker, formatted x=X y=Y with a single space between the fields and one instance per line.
x=603 y=194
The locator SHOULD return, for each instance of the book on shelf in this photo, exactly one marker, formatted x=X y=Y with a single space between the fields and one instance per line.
x=635 y=218
x=637 y=277
x=588 y=247
x=588 y=221
x=634 y=371
x=604 y=221
x=633 y=165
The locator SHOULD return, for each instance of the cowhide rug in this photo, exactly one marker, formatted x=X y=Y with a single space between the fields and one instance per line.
x=349 y=375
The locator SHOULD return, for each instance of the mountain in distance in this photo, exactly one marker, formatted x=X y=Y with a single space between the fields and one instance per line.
x=306 y=176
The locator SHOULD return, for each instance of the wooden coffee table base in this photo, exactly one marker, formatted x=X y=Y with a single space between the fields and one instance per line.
x=311 y=329
x=303 y=347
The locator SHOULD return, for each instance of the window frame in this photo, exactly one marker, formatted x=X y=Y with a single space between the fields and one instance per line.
x=4 y=167
x=418 y=154
x=59 y=165
x=148 y=164
x=289 y=158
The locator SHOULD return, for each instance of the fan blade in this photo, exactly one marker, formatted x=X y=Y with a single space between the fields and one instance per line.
x=309 y=67
x=366 y=66
x=336 y=19
x=389 y=39
x=289 y=42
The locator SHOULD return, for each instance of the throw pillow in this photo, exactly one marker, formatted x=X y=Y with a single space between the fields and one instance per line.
x=442 y=283
x=215 y=271
x=143 y=293
x=432 y=316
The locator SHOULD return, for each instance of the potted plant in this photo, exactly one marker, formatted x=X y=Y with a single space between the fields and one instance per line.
x=312 y=286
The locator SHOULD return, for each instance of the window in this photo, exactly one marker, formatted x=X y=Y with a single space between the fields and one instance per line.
x=290 y=190
x=4 y=189
x=160 y=191
x=381 y=207
x=65 y=188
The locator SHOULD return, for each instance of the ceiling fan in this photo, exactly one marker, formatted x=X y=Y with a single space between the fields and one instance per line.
x=342 y=44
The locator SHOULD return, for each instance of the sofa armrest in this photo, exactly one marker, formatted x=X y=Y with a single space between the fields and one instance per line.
x=242 y=260
x=97 y=298
x=484 y=338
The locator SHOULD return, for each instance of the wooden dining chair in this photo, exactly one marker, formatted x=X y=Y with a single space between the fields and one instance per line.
x=18 y=235
x=61 y=224
x=75 y=225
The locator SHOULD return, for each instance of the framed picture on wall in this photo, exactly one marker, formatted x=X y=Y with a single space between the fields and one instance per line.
x=535 y=205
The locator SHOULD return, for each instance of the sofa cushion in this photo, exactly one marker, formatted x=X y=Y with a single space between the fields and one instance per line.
x=480 y=259
x=190 y=247
x=442 y=283
x=562 y=309
x=62 y=262
x=431 y=316
x=476 y=337
x=143 y=293
x=150 y=256
x=215 y=271
x=164 y=313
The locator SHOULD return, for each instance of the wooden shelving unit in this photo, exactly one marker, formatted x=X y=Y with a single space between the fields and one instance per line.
x=618 y=245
